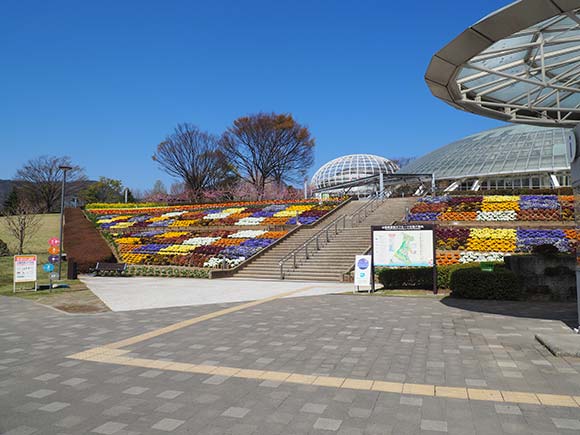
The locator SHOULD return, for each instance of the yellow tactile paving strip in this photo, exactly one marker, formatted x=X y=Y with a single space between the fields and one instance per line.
x=113 y=354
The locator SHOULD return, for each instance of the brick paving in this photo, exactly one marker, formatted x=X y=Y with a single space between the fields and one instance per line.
x=426 y=354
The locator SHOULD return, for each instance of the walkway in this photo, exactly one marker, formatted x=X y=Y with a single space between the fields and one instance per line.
x=304 y=365
x=137 y=293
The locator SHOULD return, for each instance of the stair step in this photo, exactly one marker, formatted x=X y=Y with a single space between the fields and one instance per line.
x=335 y=256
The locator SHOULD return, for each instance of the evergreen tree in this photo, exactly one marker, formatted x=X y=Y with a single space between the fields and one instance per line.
x=11 y=202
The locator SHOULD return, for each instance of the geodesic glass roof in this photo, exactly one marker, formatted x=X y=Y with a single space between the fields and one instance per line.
x=352 y=167
x=519 y=64
x=514 y=149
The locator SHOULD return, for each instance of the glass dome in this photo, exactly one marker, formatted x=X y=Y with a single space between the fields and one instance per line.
x=510 y=150
x=349 y=168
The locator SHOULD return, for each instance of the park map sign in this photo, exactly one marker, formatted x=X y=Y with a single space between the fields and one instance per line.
x=403 y=246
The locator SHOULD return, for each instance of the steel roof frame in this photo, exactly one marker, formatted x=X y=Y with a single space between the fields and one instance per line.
x=549 y=24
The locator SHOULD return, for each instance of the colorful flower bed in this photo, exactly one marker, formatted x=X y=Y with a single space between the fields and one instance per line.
x=494 y=208
x=172 y=235
x=492 y=244
x=196 y=249
x=213 y=215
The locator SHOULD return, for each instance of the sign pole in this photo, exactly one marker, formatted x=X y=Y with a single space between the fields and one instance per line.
x=61 y=222
x=435 y=289
x=573 y=154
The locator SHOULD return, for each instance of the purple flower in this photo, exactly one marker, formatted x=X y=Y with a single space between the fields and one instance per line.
x=427 y=216
x=528 y=238
x=258 y=243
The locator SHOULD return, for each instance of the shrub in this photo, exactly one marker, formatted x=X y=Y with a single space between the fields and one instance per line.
x=416 y=277
x=4 y=251
x=558 y=271
x=545 y=250
x=473 y=283
x=444 y=273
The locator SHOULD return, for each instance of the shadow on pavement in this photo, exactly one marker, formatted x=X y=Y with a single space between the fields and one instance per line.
x=564 y=311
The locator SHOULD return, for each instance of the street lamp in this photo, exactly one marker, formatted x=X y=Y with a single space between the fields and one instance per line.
x=63 y=168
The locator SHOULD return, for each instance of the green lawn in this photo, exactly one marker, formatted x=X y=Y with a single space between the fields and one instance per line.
x=38 y=245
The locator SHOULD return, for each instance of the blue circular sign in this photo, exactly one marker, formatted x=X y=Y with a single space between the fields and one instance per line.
x=363 y=263
x=47 y=267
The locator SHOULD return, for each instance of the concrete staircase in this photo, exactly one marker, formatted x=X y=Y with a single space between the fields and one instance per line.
x=266 y=267
x=334 y=258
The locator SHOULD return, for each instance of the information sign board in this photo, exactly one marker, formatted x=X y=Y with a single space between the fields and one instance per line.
x=403 y=246
x=25 y=269
x=362 y=270
x=399 y=246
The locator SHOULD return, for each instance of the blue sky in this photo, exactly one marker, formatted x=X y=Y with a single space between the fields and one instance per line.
x=104 y=82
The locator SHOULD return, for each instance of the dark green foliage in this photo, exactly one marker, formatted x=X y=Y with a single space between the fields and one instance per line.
x=416 y=277
x=130 y=197
x=558 y=271
x=473 y=283
x=4 y=251
x=11 y=202
x=545 y=250
x=444 y=273
x=104 y=190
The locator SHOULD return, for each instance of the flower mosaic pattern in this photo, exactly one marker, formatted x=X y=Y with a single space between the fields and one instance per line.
x=175 y=235
x=494 y=208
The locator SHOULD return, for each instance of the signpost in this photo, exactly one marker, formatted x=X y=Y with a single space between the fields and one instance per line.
x=53 y=258
x=25 y=270
x=572 y=149
x=363 y=272
x=398 y=246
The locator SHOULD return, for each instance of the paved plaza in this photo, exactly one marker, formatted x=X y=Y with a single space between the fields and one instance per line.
x=321 y=364
x=138 y=293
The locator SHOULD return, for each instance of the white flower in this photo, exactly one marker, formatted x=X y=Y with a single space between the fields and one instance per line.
x=493 y=216
x=250 y=221
x=477 y=257
x=224 y=213
x=247 y=234
x=172 y=214
x=212 y=216
x=218 y=262
x=201 y=241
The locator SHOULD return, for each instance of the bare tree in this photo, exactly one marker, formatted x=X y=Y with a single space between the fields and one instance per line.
x=403 y=161
x=40 y=180
x=195 y=157
x=269 y=147
x=22 y=223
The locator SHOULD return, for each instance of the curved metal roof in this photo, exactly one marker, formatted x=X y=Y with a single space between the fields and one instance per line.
x=518 y=64
x=351 y=167
x=510 y=150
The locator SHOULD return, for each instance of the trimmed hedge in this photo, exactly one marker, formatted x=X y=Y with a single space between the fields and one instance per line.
x=444 y=272
x=175 y=272
x=416 y=278
x=473 y=283
x=82 y=242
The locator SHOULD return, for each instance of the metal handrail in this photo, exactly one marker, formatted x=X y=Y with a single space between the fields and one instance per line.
x=326 y=231
x=376 y=199
x=316 y=238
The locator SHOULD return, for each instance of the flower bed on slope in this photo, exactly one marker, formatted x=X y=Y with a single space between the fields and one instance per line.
x=492 y=244
x=494 y=208
x=161 y=235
